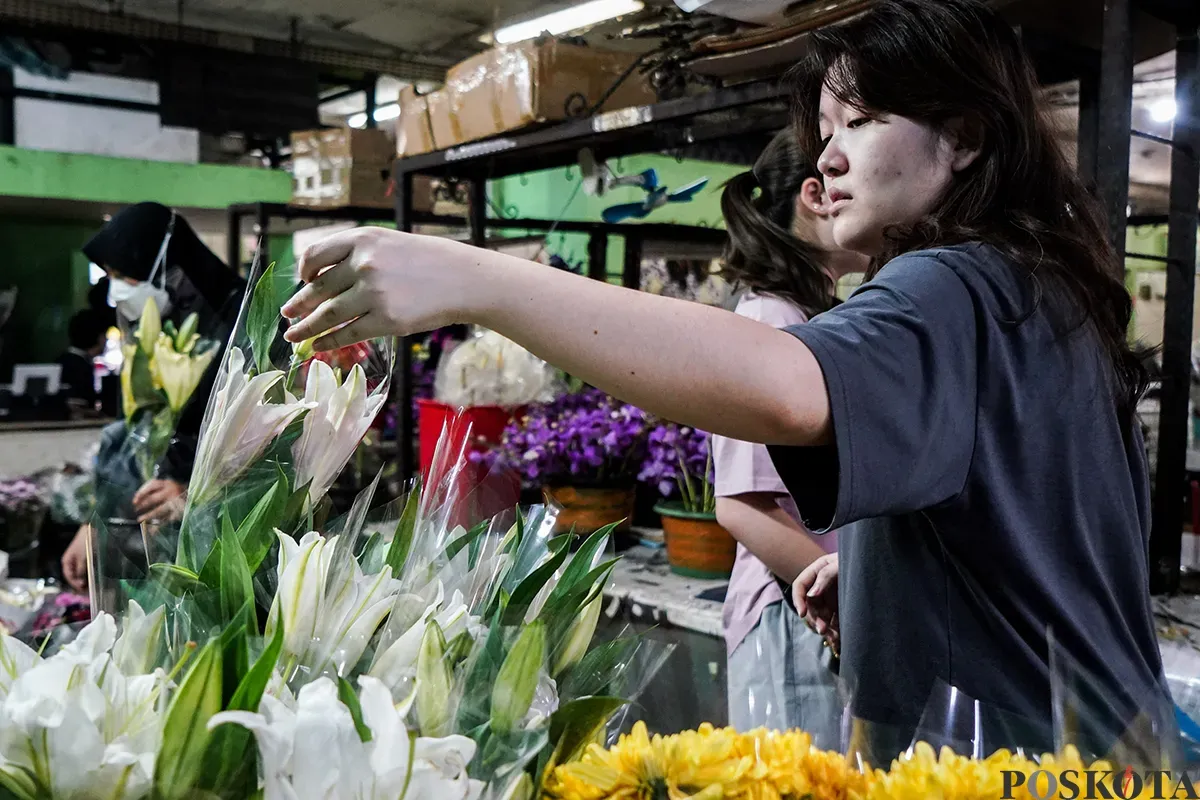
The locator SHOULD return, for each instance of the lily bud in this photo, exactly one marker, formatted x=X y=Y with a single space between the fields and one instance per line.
x=518 y=679
x=186 y=339
x=149 y=326
x=579 y=636
x=434 y=681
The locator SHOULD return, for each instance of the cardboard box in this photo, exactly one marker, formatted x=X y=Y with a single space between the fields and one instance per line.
x=340 y=167
x=443 y=123
x=510 y=87
x=414 y=131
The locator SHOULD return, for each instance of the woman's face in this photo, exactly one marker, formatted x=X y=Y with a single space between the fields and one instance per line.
x=116 y=276
x=880 y=171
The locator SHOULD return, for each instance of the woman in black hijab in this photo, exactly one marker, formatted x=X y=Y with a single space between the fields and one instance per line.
x=149 y=251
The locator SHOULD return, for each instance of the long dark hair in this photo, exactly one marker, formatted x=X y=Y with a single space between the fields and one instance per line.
x=763 y=254
x=935 y=61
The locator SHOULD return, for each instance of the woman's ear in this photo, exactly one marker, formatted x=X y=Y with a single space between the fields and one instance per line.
x=811 y=198
x=965 y=137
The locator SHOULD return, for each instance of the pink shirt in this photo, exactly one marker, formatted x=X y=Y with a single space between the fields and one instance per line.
x=742 y=468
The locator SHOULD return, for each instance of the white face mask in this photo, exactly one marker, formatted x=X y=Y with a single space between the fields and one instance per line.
x=130 y=299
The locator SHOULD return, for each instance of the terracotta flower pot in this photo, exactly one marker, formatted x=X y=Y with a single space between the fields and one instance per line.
x=589 y=509
x=697 y=546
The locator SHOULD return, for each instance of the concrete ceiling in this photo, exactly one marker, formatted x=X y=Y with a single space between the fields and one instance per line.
x=443 y=30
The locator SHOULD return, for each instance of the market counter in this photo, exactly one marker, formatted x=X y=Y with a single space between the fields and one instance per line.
x=29 y=447
x=645 y=597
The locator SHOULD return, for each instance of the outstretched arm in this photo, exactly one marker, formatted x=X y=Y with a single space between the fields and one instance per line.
x=687 y=362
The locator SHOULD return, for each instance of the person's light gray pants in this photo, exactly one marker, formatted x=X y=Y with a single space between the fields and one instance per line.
x=780 y=678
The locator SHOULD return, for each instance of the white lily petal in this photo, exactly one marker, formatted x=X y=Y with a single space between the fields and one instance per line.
x=335 y=426
x=140 y=646
x=16 y=658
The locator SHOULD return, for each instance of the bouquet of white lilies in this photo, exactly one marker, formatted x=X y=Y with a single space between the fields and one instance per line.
x=389 y=654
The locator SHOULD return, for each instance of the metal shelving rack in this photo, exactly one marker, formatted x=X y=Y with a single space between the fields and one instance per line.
x=666 y=126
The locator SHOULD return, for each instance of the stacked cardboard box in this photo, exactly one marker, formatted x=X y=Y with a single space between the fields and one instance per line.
x=511 y=87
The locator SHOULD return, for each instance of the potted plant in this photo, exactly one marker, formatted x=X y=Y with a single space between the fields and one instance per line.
x=679 y=464
x=584 y=450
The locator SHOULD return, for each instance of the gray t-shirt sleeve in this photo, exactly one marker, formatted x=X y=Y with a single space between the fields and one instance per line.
x=899 y=359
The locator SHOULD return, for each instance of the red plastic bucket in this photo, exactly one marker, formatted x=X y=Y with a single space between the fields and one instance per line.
x=483 y=494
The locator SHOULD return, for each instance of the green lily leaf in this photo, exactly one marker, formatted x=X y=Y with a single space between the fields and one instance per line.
x=185 y=732
x=18 y=784
x=349 y=699
x=402 y=541
x=237 y=587
x=263 y=320
x=456 y=547
x=175 y=579
x=257 y=531
x=574 y=725
x=524 y=595
x=210 y=573
x=231 y=761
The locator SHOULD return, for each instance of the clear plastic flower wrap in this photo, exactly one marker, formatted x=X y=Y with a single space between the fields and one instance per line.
x=281 y=420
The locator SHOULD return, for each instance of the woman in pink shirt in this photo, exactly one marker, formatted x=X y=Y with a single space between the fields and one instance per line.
x=782 y=254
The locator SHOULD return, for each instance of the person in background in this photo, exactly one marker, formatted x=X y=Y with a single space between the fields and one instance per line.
x=150 y=252
x=87 y=333
x=782 y=253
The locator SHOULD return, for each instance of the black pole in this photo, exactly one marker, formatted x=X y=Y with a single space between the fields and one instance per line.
x=1115 y=115
x=8 y=114
x=477 y=213
x=262 y=229
x=598 y=256
x=1089 y=126
x=1166 y=537
x=631 y=275
x=371 y=83
x=233 y=247
x=405 y=423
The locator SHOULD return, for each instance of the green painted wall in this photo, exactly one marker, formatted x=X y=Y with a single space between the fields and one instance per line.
x=70 y=176
x=554 y=194
x=41 y=256
x=42 y=259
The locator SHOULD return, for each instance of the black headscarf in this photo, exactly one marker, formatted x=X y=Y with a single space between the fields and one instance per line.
x=130 y=241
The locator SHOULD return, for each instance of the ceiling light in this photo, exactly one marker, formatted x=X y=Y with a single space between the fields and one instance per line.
x=382 y=114
x=568 y=19
x=1163 y=110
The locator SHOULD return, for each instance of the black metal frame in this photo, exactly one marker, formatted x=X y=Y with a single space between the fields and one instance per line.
x=1105 y=135
x=670 y=125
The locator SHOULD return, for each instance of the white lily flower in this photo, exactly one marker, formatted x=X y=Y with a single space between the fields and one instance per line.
x=178 y=373
x=340 y=417
x=16 y=658
x=140 y=646
x=76 y=726
x=242 y=425
x=323 y=622
x=396 y=665
x=314 y=752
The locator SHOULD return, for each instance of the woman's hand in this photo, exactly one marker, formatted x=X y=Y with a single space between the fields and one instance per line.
x=160 y=501
x=816 y=594
x=74 y=560
x=371 y=282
